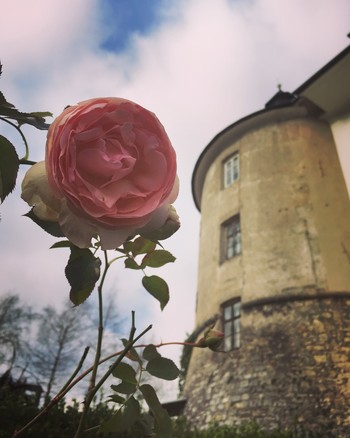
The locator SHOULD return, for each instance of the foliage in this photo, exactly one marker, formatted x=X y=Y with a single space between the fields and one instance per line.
x=15 y=319
x=187 y=349
x=249 y=429
x=60 y=334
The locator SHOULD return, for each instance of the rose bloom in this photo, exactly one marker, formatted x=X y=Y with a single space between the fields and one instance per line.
x=110 y=170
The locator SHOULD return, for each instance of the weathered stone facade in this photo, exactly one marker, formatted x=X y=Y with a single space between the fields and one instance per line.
x=292 y=276
x=293 y=369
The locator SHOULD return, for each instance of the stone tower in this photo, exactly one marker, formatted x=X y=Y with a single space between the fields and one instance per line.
x=274 y=264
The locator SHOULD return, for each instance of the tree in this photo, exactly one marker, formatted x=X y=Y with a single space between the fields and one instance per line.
x=59 y=343
x=15 y=322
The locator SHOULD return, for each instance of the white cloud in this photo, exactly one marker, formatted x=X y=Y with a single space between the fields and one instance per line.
x=208 y=65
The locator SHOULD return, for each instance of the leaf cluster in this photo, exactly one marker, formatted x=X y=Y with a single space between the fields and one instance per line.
x=129 y=389
x=151 y=257
x=9 y=160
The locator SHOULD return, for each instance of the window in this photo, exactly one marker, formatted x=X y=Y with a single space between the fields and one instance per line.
x=231 y=170
x=231 y=317
x=231 y=238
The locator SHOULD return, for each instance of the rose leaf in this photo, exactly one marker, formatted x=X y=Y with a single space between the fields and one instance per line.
x=163 y=368
x=157 y=258
x=142 y=246
x=82 y=272
x=158 y=288
x=123 y=419
x=150 y=352
x=161 y=417
x=50 y=227
x=125 y=372
x=9 y=164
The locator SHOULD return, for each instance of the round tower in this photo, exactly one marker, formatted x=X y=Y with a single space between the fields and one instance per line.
x=274 y=270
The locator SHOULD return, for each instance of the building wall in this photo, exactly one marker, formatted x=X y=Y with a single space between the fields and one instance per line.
x=292 y=371
x=294 y=212
x=341 y=133
x=293 y=278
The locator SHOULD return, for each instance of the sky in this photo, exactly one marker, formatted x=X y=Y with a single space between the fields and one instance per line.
x=199 y=65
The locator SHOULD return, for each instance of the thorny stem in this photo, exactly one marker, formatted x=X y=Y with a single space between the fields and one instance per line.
x=56 y=399
x=25 y=158
x=100 y=323
x=67 y=387
x=92 y=392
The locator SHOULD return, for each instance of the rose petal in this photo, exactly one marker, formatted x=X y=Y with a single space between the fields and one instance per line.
x=76 y=229
x=111 y=239
x=37 y=192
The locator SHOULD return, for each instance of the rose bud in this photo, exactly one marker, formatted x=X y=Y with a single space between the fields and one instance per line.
x=171 y=225
x=212 y=339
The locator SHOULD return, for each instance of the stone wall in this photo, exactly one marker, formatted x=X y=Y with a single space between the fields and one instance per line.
x=292 y=370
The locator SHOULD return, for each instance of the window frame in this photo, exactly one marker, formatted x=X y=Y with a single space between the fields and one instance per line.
x=231 y=238
x=231 y=166
x=231 y=313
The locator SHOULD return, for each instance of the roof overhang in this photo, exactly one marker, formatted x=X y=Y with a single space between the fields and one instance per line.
x=325 y=95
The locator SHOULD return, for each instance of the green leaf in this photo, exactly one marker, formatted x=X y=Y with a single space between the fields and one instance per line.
x=124 y=388
x=150 y=352
x=157 y=258
x=158 y=288
x=61 y=244
x=132 y=353
x=163 y=368
x=123 y=419
x=9 y=164
x=3 y=101
x=50 y=227
x=82 y=272
x=161 y=417
x=131 y=264
x=128 y=246
x=34 y=118
x=116 y=398
x=125 y=372
x=142 y=246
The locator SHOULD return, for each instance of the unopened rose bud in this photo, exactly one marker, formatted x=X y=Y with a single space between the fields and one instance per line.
x=212 y=339
x=171 y=225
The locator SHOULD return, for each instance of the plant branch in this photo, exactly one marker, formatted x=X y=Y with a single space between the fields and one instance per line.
x=56 y=399
x=100 y=323
x=4 y=119
x=92 y=392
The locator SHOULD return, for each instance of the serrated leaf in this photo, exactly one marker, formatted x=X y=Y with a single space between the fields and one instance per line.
x=123 y=419
x=116 y=398
x=124 y=388
x=162 y=419
x=3 y=101
x=125 y=372
x=157 y=258
x=158 y=288
x=9 y=164
x=22 y=118
x=50 y=227
x=82 y=272
x=142 y=246
x=150 y=352
x=131 y=264
x=163 y=368
x=132 y=353
x=128 y=245
x=61 y=244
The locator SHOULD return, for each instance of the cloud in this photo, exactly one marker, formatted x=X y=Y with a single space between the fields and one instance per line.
x=205 y=65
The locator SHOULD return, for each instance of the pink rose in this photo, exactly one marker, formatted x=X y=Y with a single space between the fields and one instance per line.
x=110 y=170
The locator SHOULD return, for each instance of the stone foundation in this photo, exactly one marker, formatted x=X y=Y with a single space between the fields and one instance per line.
x=292 y=370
